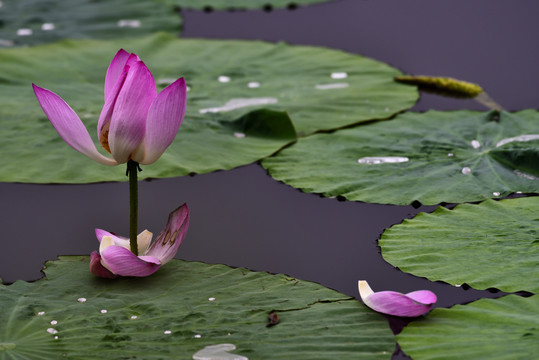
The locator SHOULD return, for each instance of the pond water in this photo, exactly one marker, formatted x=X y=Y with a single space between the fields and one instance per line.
x=242 y=217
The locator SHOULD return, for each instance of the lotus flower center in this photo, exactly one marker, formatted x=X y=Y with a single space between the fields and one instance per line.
x=104 y=138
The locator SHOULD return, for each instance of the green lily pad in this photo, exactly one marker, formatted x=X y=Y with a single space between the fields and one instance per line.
x=30 y=22
x=245 y=77
x=493 y=244
x=180 y=310
x=238 y=4
x=503 y=328
x=431 y=157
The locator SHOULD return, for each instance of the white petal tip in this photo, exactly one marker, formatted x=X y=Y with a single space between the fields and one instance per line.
x=364 y=289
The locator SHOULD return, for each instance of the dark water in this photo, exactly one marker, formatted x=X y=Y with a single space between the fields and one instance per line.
x=243 y=217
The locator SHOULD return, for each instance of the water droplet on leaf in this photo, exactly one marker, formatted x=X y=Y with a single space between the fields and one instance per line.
x=218 y=352
x=47 y=26
x=331 y=86
x=238 y=104
x=339 y=75
x=374 y=160
x=24 y=32
x=129 y=23
x=525 y=175
x=521 y=138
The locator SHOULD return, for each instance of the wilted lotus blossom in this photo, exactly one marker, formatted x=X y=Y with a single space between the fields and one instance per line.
x=135 y=124
x=412 y=304
x=116 y=259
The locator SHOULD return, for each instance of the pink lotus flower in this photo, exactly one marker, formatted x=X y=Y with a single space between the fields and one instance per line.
x=116 y=259
x=135 y=124
x=394 y=303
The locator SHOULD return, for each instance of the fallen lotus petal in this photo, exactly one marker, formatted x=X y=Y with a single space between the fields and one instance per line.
x=135 y=123
x=99 y=270
x=116 y=259
x=412 y=304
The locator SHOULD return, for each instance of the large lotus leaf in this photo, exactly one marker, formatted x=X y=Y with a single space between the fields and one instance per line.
x=238 y=4
x=432 y=157
x=503 y=328
x=180 y=310
x=258 y=75
x=29 y=22
x=493 y=244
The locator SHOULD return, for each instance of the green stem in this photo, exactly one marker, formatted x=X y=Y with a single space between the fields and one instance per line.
x=132 y=171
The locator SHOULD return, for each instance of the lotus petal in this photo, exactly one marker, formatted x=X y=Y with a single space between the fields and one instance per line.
x=98 y=269
x=422 y=296
x=168 y=242
x=394 y=303
x=143 y=240
x=99 y=233
x=115 y=256
x=116 y=67
x=103 y=125
x=128 y=121
x=165 y=116
x=69 y=125
x=123 y=262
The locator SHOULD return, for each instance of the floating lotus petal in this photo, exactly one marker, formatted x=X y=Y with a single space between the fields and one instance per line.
x=412 y=304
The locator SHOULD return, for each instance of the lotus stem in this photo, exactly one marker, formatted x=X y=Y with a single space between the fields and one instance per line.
x=132 y=171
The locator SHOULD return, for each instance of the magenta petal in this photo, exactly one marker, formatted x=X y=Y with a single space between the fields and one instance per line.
x=98 y=269
x=128 y=122
x=103 y=125
x=425 y=297
x=397 y=304
x=111 y=94
x=132 y=59
x=168 y=242
x=164 y=119
x=68 y=125
x=124 y=263
x=117 y=240
x=115 y=69
x=99 y=233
